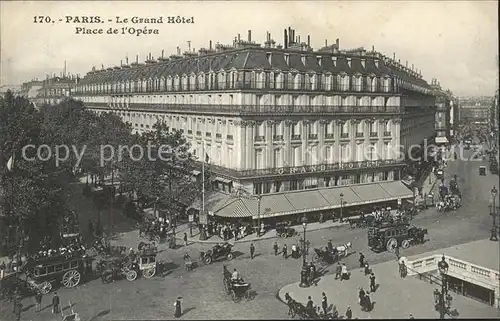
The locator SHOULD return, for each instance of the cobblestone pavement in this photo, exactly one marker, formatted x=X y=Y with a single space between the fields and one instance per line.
x=395 y=297
x=202 y=289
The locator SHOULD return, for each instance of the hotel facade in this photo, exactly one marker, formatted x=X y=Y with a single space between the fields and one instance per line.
x=302 y=130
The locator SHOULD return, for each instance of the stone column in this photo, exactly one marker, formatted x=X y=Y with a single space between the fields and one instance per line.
x=239 y=142
x=287 y=139
x=249 y=164
x=353 y=145
x=336 y=146
x=305 y=141
x=321 y=137
x=268 y=151
x=381 y=130
x=395 y=135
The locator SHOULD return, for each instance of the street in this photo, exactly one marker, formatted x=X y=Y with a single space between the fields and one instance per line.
x=202 y=289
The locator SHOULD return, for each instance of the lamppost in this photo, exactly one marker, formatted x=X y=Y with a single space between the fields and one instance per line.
x=442 y=299
x=341 y=206
x=259 y=197
x=493 y=213
x=305 y=271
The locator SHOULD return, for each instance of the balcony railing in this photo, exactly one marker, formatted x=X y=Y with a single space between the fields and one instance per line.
x=303 y=170
x=254 y=109
x=190 y=132
x=218 y=136
x=373 y=134
x=329 y=136
x=208 y=134
x=387 y=133
x=295 y=137
x=359 y=135
x=259 y=138
x=198 y=133
x=344 y=135
x=229 y=137
x=277 y=137
x=313 y=136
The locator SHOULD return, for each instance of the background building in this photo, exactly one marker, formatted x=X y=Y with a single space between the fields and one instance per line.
x=54 y=89
x=309 y=130
x=475 y=110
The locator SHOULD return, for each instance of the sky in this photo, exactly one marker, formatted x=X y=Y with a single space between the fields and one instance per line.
x=453 y=41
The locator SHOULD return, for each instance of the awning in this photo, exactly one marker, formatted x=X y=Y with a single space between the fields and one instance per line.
x=442 y=140
x=297 y=202
x=195 y=172
x=225 y=181
x=212 y=200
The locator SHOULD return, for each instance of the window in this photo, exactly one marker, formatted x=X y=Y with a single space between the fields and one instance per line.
x=277 y=158
x=328 y=152
x=59 y=268
x=74 y=264
x=257 y=188
x=50 y=269
x=66 y=266
x=294 y=185
x=259 y=164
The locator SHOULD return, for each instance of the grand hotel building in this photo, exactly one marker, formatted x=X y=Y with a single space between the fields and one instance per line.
x=305 y=130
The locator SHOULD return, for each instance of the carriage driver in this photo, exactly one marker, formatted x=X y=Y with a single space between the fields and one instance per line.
x=330 y=246
x=235 y=276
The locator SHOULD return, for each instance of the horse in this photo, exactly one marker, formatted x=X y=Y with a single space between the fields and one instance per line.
x=342 y=249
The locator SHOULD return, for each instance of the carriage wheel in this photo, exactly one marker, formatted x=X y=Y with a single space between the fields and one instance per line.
x=405 y=244
x=229 y=256
x=131 y=275
x=71 y=278
x=45 y=287
x=208 y=260
x=149 y=273
x=157 y=239
x=234 y=296
x=391 y=245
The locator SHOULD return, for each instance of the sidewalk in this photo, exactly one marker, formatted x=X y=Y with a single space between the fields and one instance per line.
x=270 y=234
x=395 y=298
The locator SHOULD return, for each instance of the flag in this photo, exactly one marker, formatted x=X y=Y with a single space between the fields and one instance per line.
x=10 y=163
x=207 y=159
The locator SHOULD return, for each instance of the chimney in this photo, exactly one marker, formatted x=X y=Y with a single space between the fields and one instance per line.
x=162 y=52
x=210 y=47
x=337 y=42
x=406 y=63
x=326 y=43
x=239 y=38
x=308 y=40
x=412 y=66
x=178 y=51
x=286 y=39
x=189 y=45
x=373 y=48
x=393 y=56
x=376 y=63
x=137 y=59
x=249 y=35
x=298 y=38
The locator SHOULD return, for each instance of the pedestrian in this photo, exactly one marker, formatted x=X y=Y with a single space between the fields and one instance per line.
x=294 y=251
x=178 y=307
x=55 y=303
x=2 y=270
x=18 y=307
x=310 y=304
x=185 y=239
x=368 y=302
x=373 y=286
x=275 y=248
x=348 y=313
x=38 y=301
x=411 y=316
x=252 y=250
x=367 y=269
x=361 y=296
x=361 y=260
x=338 y=271
x=324 y=302
x=285 y=249
x=345 y=275
x=402 y=269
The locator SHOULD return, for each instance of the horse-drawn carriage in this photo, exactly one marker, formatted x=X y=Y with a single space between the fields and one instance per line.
x=217 y=251
x=284 y=230
x=389 y=236
x=143 y=262
x=330 y=256
x=238 y=289
x=68 y=271
x=451 y=202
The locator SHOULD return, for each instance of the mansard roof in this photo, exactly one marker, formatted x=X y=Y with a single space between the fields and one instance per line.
x=247 y=59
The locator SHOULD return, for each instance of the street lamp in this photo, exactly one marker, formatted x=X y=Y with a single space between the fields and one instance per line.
x=259 y=198
x=442 y=299
x=304 y=272
x=341 y=206
x=493 y=213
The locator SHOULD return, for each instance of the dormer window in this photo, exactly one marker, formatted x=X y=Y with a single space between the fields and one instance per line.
x=334 y=61
x=287 y=59
x=376 y=63
x=303 y=59
x=349 y=62
x=318 y=58
x=363 y=63
x=268 y=56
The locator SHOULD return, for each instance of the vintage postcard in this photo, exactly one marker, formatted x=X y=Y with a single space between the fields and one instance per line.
x=249 y=160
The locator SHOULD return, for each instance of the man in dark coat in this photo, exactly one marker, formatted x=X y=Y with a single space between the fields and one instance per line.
x=348 y=313
x=18 y=307
x=275 y=248
x=361 y=296
x=55 y=303
x=178 y=307
x=252 y=250
x=38 y=301
x=324 y=302
x=285 y=250
x=373 y=286
x=310 y=305
x=361 y=260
